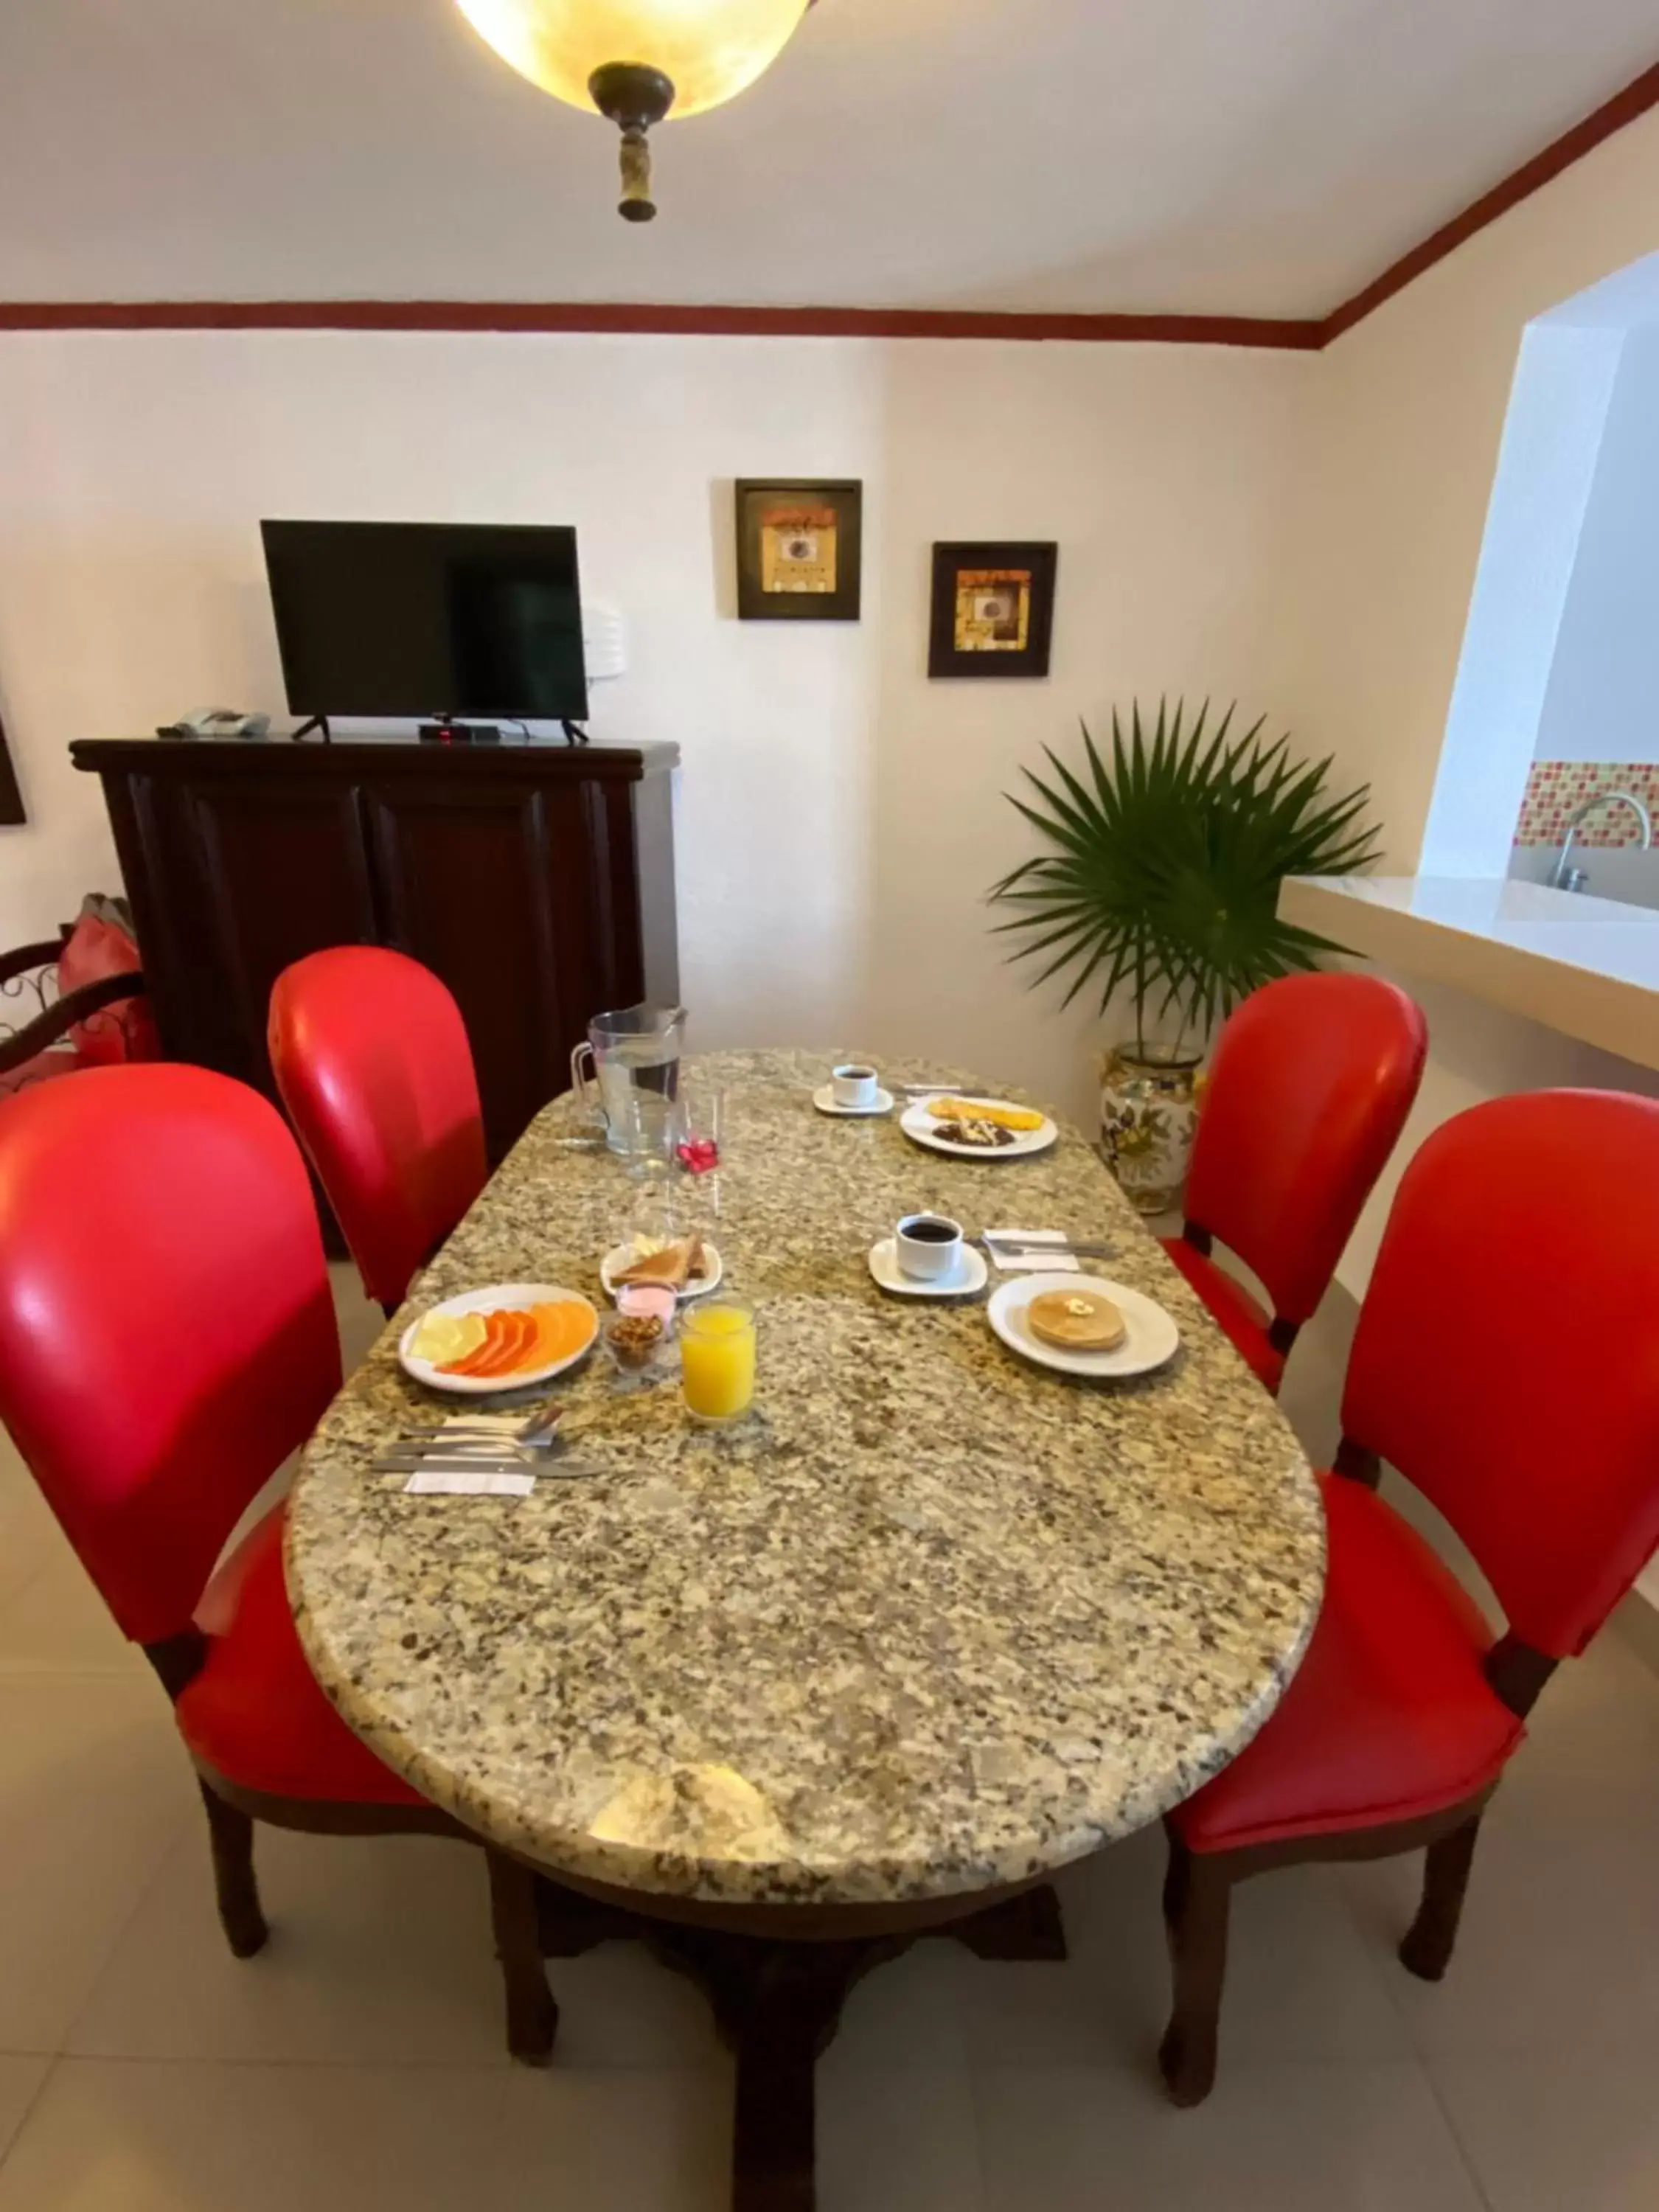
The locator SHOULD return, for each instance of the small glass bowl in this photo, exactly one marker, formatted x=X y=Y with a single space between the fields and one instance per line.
x=642 y=1329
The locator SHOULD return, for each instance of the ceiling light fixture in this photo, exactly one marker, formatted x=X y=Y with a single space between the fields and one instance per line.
x=633 y=60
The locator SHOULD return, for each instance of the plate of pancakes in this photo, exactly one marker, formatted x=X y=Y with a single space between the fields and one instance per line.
x=1082 y=1325
x=977 y=1128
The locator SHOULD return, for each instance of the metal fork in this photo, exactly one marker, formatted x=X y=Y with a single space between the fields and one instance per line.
x=1032 y=1248
x=484 y=1447
x=536 y=1432
x=946 y=1091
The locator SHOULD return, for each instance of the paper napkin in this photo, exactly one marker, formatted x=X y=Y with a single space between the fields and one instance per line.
x=456 y=1480
x=1056 y=1252
x=457 y=1483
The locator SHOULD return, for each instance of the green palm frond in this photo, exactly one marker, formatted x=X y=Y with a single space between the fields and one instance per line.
x=1163 y=859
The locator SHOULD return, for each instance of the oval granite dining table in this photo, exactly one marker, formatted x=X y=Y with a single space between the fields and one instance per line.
x=927 y=1624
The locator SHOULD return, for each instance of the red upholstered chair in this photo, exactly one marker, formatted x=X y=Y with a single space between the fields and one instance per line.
x=1507 y=1364
x=1310 y=1083
x=371 y=1061
x=167 y=1338
x=87 y=991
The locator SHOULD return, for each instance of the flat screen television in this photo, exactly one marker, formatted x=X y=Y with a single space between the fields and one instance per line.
x=413 y=618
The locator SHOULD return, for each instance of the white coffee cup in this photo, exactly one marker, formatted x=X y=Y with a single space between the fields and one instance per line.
x=928 y=1245
x=853 y=1084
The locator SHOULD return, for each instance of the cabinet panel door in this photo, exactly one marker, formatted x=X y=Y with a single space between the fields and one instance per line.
x=466 y=879
x=284 y=873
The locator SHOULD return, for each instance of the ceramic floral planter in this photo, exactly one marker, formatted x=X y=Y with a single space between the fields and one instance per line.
x=1148 y=1112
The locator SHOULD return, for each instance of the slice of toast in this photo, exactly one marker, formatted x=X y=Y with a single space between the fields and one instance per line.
x=672 y=1267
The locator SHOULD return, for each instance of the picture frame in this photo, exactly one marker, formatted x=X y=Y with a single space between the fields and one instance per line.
x=992 y=608
x=801 y=549
x=12 y=809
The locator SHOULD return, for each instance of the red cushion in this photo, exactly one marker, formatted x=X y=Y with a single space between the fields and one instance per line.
x=41 y=1069
x=1390 y=1718
x=125 y=1031
x=255 y=1713
x=1245 y=1319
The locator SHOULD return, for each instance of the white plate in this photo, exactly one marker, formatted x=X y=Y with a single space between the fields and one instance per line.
x=491 y=1300
x=621 y=1255
x=824 y=1099
x=918 y=1124
x=1153 y=1337
x=969 y=1274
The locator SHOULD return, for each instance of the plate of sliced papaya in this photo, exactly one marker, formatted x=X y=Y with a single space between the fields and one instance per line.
x=502 y=1338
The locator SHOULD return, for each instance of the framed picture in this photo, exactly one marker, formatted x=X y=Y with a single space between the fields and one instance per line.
x=11 y=799
x=993 y=609
x=799 y=550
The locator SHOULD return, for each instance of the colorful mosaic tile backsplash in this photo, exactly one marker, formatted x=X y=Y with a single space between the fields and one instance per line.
x=1556 y=789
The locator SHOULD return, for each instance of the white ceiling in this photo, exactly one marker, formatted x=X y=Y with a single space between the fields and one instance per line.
x=1230 y=156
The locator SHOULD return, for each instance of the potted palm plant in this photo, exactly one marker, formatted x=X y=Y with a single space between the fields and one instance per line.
x=1161 y=878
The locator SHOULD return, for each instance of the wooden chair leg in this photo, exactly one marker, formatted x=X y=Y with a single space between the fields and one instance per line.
x=532 y=2018
x=1197 y=1896
x=1427 y=1948
x=231 y=1834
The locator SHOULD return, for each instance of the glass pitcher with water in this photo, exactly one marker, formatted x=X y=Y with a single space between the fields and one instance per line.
x=634 y=1056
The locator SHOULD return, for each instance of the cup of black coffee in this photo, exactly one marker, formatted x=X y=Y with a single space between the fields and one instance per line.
x=853 y=1084
x=928 y=1246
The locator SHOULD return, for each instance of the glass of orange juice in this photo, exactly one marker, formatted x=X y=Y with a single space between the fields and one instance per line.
x=717 y=1359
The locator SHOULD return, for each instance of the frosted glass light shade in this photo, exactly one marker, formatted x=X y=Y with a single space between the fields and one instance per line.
x=711 y=50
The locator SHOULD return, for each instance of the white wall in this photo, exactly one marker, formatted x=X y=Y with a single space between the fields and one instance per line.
x=1602 y=703
x=1403 y=428
x=839 y=816
x=1302 y=531
x=1404 y=421
x=1554 y=428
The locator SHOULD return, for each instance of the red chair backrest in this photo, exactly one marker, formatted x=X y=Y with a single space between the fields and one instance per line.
x=1311 y=1083
x=166 y=1334
x=370 y=1057
x=1507 y=1356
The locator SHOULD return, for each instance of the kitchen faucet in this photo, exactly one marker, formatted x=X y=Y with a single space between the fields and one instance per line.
x=1565 y=878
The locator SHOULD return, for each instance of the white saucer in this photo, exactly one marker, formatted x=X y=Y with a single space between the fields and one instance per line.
x=1152 y=1336
x=698 y=1287
x=824 y=1099
x=969 y=1274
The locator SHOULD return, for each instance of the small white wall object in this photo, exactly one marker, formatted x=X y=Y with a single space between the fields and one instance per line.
x=604 y=641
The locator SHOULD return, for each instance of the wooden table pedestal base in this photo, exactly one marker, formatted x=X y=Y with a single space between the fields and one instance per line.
x=777 y=2003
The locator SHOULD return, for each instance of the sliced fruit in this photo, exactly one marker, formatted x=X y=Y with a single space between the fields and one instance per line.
x=968 y=1109
x=563 y=1330
x=514 y=1339
x=511 y=1335
x=443 y=1338
x=484 y=1360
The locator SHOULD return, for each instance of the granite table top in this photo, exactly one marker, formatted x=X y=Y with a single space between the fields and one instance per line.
x=928 y=1620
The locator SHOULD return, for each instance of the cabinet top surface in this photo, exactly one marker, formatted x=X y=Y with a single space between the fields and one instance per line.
x=394 y=755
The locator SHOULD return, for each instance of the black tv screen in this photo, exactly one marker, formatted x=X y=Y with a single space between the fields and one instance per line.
x=413 y=619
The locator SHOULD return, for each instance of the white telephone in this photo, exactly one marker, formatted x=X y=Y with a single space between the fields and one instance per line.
x=216 y=722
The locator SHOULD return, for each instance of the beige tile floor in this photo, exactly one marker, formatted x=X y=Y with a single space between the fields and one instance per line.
x=358 y=2062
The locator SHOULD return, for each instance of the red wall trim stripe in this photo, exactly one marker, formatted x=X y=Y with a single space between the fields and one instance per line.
x=1625 y=108
x=1295 y=335
x=604 y=316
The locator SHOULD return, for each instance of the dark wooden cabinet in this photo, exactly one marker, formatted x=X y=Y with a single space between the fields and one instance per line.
x=537 y=880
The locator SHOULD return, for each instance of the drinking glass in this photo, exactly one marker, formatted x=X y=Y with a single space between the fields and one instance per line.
x=701 y=1110
x=717 y=1359
x=644 y=1129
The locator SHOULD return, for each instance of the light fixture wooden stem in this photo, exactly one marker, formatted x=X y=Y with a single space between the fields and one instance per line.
x=633 y=97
